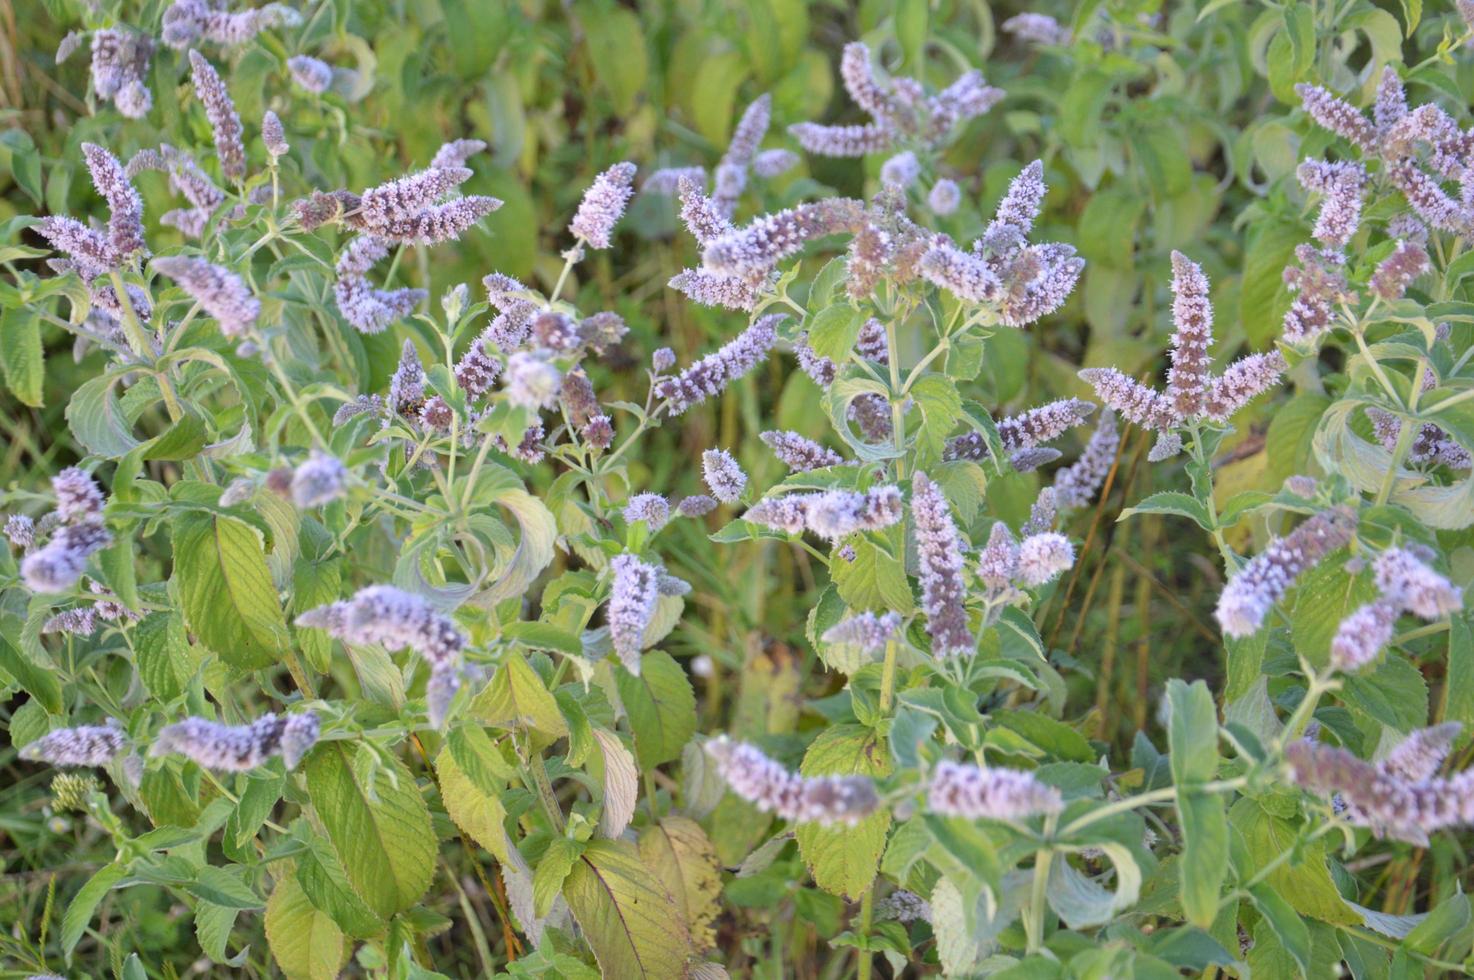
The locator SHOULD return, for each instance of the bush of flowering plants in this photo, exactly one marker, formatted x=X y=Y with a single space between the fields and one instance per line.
x=428 y=570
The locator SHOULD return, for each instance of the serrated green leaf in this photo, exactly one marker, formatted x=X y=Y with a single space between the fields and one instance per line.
x=843 y=859
x=518 y=698
x=305 y=942
x=661 y=706
x=631 y=923
x=380 y=831
x=225 y=589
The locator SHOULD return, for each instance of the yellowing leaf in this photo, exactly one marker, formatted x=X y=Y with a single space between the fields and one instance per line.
x=631 y=923
x=679 y=853
x=480 y=815
x=306 y=944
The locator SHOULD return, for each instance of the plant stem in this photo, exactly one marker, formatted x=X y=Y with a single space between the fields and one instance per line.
x=1034 y=922
x=888 y=676
x=865 y=957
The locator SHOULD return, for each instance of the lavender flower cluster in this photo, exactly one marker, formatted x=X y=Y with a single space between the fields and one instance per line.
x=1406 y=585
x=830 y=514
x=824 y=800
x=396 y=619
x=239 y=748
x=1401 y=797
x=1264 y=579
x=1193 y=395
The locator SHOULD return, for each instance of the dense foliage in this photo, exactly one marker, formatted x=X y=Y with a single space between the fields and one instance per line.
x=758 y=489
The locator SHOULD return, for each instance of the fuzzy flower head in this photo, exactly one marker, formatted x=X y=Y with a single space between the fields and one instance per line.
x=220 y=292
x=651 y=508
x=632 y=601
x=1265 y=578
x=711 y=375
x=310 y=74
x=939 y=558
x=723 y=475
x=1406 y=580
x=1042 y=557
x=318 y=481
x=238 y=748
x=866 y=631
x=224 y=121
x=981 y=793
x=944 y=197
x=78 y=497
x=1077 y=484
x=1362 y=635
x=603 y=205
x=773 y=789
x=59 y=565
x=531 y=382
x=1192 y=394
x=393 y=619
x=84 y=745
x=798 y=453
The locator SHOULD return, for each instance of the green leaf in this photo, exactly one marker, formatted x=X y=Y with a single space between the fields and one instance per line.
x=518 y=698
x=1459 y=687
x=1192 y=737
x=1324 y=596
x=616 y=45
x=661 y=706
x=1107 y=231
x=21 y=355
x=166 y=662
x=221 y=887
x=40 y=682
x=548 y=876
x=84 y=904
x=875 y=579
x=1172 y=502
x=1264 y=297
x=1304 y=882
x=225 y=589
x=381 y=832
x=833 y=331
x=630 y=922
x=321 y=876
x=843 y=859
x=1394 y=694
x=182 y=440
x=305 y=942
x=1288 y=927
x=96 y=419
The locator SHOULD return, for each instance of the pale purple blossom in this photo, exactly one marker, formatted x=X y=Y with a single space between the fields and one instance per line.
x=310 y=74
x=723 y=475
x=78 y=497
x=711 y=375
x=632 y=601
x=1341 y=186
x=407 y=383
x=220 y=110
x=1338 y=116
x=1192 y=317
x=239 y=748
x=1077 y=484
x=189 y=21
x=998 y=560
x=872 y=343
x=774 y=163
x=1034 y=28
x=1362 y=635
x=1017 y=211
x=842 y=141
x=713 y=289
x=901 y=169
x=394 y=619
x=531 y=381
x=59 y=565
x=770 y=238
x=1404 y=578
x=696 y=505
x=455 y=153
x=967 y=276
x=1265 y=578
x=668 y=180
x=939 y=561
x=1241 y=382
x=944 y=197
x=220 y=292
x=798 y=453
x=83 y=745
x=866 y=631
x=125 y=207
x=773 y=789
x=20 y=531
x=1396 y=272
x=1042 y=557
x=273 y=135
x=603 y=204
x=321 y=479
x=983 y=793
x=120 y=63
x=651 y=508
